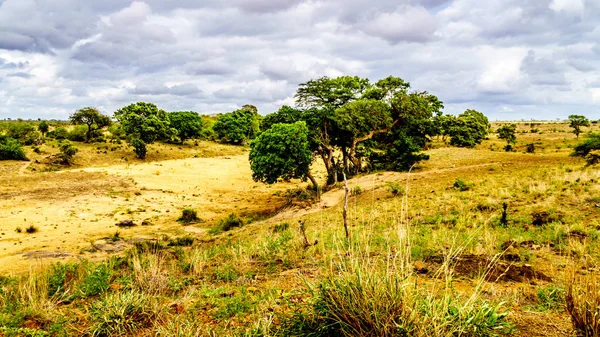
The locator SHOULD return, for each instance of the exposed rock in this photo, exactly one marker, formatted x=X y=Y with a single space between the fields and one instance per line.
x=125 y=223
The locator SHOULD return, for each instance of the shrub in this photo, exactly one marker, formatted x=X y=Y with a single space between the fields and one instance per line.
x=589 y=149
x=530 y=148
x=10 y=149
x=77 y=134
x=356 y=190
x=231 y=221
x=364 y=300
x=58 y=133
x=508 y=148
x=396 y=188
x=188 y=216
x=19 y=130
x=461 y=185
x=121 y=314
x=139 y=147
x=31 y=229
x=67 y=151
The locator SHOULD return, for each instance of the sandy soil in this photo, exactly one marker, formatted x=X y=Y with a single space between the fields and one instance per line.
x=74 y=208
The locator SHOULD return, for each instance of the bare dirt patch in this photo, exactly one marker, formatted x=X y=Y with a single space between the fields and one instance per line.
x=73 y=208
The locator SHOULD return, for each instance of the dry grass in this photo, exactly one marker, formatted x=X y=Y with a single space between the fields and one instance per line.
x=250 y=280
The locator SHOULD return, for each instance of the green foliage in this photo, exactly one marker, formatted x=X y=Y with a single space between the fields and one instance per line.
x=461 y=185
x=66 y=152
x=43 y=127
x=468 y=129
x=381 y=303
x=121 y=314
x=231 y=221
x=139 y=147
x=589 y=148
x=144 y=122
x=78 y=133
x=188 y=124
x=58 y=133
x=92 y=118
x=188 y=216
x=508 y=133
x=550 y=298
x=356 y=190
x=96 y=281
x=578 y=121
x=238 y=126
x=285 y=115
x=281 y=152
x=396 y=188
x=19 y=130
x=328 y=92
x=11 y=149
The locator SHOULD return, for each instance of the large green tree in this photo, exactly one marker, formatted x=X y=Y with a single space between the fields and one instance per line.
x=188 y=124
x=92 y=118
x=144 y=123
x=238 y=126
x=282 y=152
x=577 y=122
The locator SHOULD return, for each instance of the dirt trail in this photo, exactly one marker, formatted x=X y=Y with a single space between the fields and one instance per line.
x=23 y=168
x=367 y=183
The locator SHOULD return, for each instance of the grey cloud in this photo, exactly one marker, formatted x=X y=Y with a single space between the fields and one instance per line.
x=20 y=74
x=186 y=89
x=150 y=89
x=213 y=56
x=543 y=71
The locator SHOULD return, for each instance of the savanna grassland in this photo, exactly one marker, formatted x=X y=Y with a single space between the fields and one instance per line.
x=472 y=242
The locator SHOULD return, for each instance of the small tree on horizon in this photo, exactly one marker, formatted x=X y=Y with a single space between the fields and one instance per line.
x=43 y=128
x=577 y=121
x=508 y=133
x=92 y=118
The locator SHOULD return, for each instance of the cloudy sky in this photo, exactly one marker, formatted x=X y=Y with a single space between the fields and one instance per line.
x=511 y=59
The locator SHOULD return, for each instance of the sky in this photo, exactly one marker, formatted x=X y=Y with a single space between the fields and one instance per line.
x=510 y=59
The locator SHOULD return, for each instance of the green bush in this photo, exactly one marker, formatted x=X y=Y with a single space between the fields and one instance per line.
x=139 y=147
x=77 y=134
x=396 y=188
x=11 y=149
x=19 y=130
x=188 y=216
x=67 y=151
x=231 y=221
x=461 y=185
x=58 y=133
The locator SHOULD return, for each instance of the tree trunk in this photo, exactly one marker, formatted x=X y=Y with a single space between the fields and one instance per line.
x=314 y=182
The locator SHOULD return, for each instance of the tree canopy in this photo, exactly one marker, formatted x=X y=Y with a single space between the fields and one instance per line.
x=508 y=133
x=188 y=124
x=238 y=126
x=354 y=124
x=468 y=129
x=92 y=118
x=144 y=123
x=578 y=121
x=281 y=152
